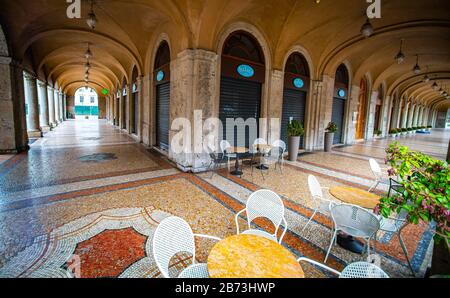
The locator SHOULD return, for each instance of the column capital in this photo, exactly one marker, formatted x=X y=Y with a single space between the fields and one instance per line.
x=30 y=77
x=42 y=84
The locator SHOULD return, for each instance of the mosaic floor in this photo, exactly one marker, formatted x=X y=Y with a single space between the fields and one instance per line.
x=86 y=200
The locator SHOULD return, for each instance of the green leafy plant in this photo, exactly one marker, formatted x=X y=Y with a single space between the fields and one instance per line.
x=378 y=132
x=426 y=189
x=332 y=127
x=295 y=129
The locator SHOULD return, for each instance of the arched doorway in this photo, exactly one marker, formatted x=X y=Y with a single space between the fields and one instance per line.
x=134 y=103
x=296 y=87
x=242 y=77
x=362 y=110
x=339 y=99
x=379 y=110
x=161 y=77
x=86 y=103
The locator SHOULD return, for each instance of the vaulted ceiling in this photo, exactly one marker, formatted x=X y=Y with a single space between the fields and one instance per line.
x=53 y=46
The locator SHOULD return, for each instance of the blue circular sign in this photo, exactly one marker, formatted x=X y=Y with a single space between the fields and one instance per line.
x=160 y=76
x=298 y=83
x=341 y=93
x=246 y=71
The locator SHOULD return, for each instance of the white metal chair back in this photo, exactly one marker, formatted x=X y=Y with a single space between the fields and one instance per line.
x=363 y=270
x=376 y=169
x=280 y=144
x=173 y=236
x=267 y=204
x=355 y=220
x=224 y=146
x=317 y=195
x=259 y=141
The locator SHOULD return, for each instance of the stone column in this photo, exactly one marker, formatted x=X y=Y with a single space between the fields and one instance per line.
x=51 y=107
x=13 y=127
x=385 y=115
x=64 y=106
x=33 y=126
x=408 y=108
x=56 y=100
x=44 y=109
x=421 y=116
x=323 y=99
x=416 y=116
x=396 y=114
x=371 y=120
x=275 y=111
x=352 y=121
x=147 y=110
x=61 y=107
x=411 y=115
x=194 y=97
x=127 y=116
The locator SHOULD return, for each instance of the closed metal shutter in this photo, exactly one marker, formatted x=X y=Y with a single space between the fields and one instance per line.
x=294 y=105
x=338 y=118
x=163 y=115
x=239 y=99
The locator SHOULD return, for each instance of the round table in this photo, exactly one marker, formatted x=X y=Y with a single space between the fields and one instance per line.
x=250 y=256
x=357 y=197
x=238 y=151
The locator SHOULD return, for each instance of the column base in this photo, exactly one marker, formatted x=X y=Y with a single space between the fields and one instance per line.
x=45 y=129
x=34 y=134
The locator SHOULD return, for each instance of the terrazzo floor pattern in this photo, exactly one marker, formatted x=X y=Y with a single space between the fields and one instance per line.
x=106 y=204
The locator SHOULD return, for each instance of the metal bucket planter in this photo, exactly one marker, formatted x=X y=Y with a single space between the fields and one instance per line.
x=294 y=145
x=329 y=137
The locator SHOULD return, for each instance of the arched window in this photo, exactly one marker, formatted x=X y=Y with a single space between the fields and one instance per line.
x=162 y=55
x=243 y=45
x=297 y=64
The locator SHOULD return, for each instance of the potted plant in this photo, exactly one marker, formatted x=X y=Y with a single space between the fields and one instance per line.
x=329 y=135
x=295 y=132
x=425 y=197
x=393 y=132
x=377 y=134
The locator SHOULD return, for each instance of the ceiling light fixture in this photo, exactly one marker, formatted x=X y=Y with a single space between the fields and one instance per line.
x=400 y=57
x=367 y=29
x=417 y=68
x=87 y=66
x=435 y=86
x=88 y=53
x=92 y=18
x=426 y=79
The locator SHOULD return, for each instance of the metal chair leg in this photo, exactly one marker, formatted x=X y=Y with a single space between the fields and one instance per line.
x=405 y=251
x=309 y=221
x=374 y=186
x=331 y=245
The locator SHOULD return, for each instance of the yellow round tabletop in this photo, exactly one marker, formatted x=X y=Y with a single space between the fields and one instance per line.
x=238 y=150
x=355 y=196
x=249 y=256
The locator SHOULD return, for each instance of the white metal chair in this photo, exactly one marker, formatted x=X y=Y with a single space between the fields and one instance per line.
x=172 y=236
x=217 y=159
x=224 y=146
x=282 y=145
x=264 y=204
x=396 y=226
x=322 y=205
x=354 y=221
x=273 y=157
x=254 y=148
x=378 y=173
x=355 y=270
